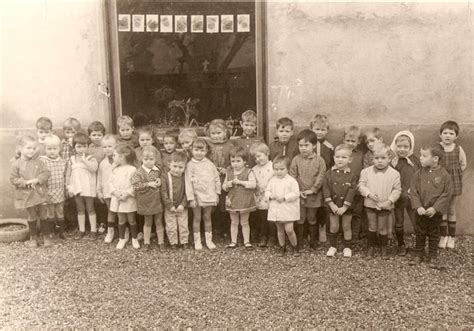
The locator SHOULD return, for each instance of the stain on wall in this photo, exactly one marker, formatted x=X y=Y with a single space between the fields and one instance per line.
x=391 y=65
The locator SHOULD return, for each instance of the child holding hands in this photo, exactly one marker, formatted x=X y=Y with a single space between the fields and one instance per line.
x=240 y=184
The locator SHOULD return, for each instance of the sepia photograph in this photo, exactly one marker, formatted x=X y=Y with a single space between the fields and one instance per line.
x=251 y=164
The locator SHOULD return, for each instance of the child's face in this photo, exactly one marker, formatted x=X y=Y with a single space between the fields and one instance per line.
x=448 y=136
x=342 y=158
x=284 y=133
x=42 y=133
x=145 y=139
x=321 y=131
x=169 y=144
x=108 y=146
x=29 y=149
x=261 y=158
x=96 y=137
x=119 y=159
x=217 y=135
x=186 y=143
x=427 y=160
x=306 y=148
x=126 y=131
x=69 y=133
x=402 y=147
x=280 y=170
x=352 y=140
x=199 y=153
x=381 y=160
x=177 y=168
x=237 y=163
x=52 y=151
x=372 y=140
x=80 y=148
x=248 y=128
x=148 y=160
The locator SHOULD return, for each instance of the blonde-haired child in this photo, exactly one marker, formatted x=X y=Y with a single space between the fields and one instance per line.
x=185 y=139
x=29 y=175
x=203 y=187
x=146 y=137
x=126 y=130
x=146 y=183
x=123 y=201
x=71 y=126
x=320 y=125
x=81 y=183
x=372 y=137
x=44 y=127
x=283 y=194
x=56 y=182
x=455 y=162
x=240 y=184
x=248 y=122
x=380 y=186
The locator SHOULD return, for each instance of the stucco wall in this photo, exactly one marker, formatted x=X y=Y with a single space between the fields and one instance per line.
x=392 y=65
x=52 y=58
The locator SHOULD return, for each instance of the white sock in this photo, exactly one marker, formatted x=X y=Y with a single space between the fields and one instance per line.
x=93 y=222
x=160 y=233
x=81 y=219
x=146 y=234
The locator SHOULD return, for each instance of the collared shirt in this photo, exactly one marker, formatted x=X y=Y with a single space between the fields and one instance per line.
x=339 y=186
x=326 y=150
x=308 y=171
x=431 y=188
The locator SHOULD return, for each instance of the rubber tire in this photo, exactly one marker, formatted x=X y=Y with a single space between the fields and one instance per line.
x=17 y=235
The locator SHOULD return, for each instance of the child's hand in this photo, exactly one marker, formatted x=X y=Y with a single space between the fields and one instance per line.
x=303 y=195
x=193 y=203
x=227 y=185
x=421 y=211
x=342 y=210
x=280 y=199
x=180 y=209
x=158 y=182
x=100 y=196
x=334 y=208
x=152 y=184
x=387 y=204
x=373 y=197
x=430 y=212
x=173 y=209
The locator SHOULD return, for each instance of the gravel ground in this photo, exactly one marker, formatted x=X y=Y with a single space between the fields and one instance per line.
x=83 y=284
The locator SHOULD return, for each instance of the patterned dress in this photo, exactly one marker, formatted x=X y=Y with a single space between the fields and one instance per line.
x=148 y=198
x=240 y=198
x=57 y=179
x=451 y=163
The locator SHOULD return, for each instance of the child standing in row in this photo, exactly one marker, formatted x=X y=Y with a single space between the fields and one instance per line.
x=240 y=184
x=285 y=143
x=29 y=175
x=173 y=195
x=71 y=126
x=308 y=169
x=146 y=137
x=339 y=189
x=185 y=139
x=454 y=161
x=249 y=136
x=56 y=183
x=81 y=183
x=96 y=132
x=372 y=137
x=123 y=201
x=44 y=127
x=170 y=141
x=283 y=195
x=203 y=187
x=263 y=172
x=146 y=183
x=406 y=164
x=126 y=132
x=380 y=186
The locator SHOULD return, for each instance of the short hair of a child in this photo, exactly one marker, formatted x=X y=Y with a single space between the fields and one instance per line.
x=72 y=123
x=343 y=147
x=109 y=137
x=319 y=120
x=381 y=148
x=249 y=116
x=218 y=123
x=80 y=138
x=171 y=134
x=22 y=143
x=352 y=131
x=178 y=156
x=451 y=125
x=259 y=148
x=239 y=152
x=376 y=132
x=148 y=129
x=200 y=143
x=150 y=150
x=280 y=159
x=285 y=121
x=44 y=123
x=308 y=135
x=125 y=120
x=96 y=126
x=127 y=152
x=52 y=140
x=188 y=133
x=435 y=150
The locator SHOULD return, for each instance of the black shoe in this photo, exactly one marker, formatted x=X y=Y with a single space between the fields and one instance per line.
x=281 y=251
x=147 y=247
x=174 y=247
x=263 y=242
x=434 y=263
x=402 y=251
x=248 y=246
x=186 y=246
x=416 y=260
x=371 y=252
x=80 y=235
x=384 y=253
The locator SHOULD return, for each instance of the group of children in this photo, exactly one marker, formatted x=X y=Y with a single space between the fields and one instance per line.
x=293 y=187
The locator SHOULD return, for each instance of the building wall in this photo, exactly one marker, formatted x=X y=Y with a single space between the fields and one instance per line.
x=53 y=57
x=391 y=65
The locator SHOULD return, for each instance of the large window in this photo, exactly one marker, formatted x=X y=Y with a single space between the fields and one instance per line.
x=185 y=63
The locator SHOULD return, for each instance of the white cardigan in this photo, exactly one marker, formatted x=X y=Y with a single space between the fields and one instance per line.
x=286 y=211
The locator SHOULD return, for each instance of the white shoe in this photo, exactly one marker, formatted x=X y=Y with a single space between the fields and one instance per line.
x=450 y=243
x=135 y=243
x=102 y=228
x=347 y=252
x=442 y=242
x=197 y=241
x=109 y=237
x=331 y=251
x=209 y=242
x=140 y=236
x=127 y=235
x=121 y=244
